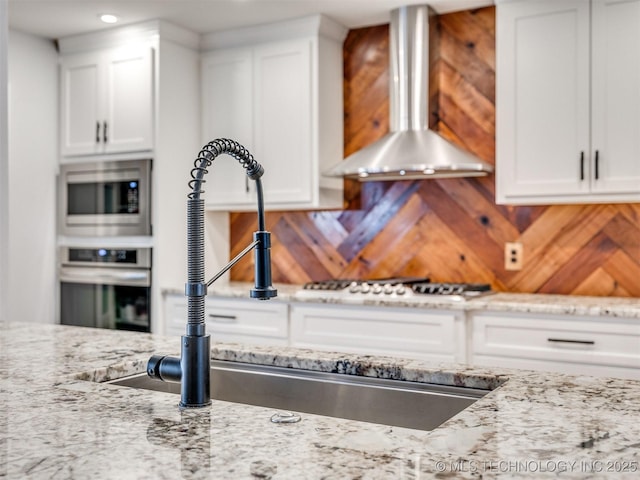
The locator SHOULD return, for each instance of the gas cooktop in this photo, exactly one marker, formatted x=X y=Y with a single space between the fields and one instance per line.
x=391 y=288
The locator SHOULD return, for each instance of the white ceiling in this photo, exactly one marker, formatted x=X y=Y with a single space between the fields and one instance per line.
x=59 y=18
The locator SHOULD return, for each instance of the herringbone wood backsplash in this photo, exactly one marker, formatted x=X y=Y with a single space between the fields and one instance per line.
x=449 y=230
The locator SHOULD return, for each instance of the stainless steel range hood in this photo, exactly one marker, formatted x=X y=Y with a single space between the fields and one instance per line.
x=410 y=150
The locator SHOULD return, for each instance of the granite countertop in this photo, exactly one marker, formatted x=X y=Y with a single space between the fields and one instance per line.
x=497 y=302
x=57 y=422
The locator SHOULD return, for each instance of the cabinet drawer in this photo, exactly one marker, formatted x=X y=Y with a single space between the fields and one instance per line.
x=233 y=320
x=402 y=332
x=236 y=319
x=588 y=340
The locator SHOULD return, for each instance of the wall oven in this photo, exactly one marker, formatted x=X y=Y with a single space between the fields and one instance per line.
x=105 y=198
x=106 y=287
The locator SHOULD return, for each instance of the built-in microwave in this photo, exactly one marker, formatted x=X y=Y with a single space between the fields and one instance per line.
x=105 y=198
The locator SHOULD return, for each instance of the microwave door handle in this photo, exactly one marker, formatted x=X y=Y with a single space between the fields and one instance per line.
x=106 y=278
x=98 y=176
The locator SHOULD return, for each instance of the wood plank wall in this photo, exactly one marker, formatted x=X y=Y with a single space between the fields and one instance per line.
x=448 y=230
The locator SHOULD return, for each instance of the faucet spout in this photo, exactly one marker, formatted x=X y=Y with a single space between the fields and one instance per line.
x=192 y=370
x=262 y=264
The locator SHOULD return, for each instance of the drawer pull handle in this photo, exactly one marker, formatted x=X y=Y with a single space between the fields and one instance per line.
x=564 y=340
x=223 y=318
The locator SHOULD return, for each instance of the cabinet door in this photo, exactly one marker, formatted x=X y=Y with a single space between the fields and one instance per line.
x=107 y=101
x=128 y=115
x=616 y=96
x=80 y=85
x=227 y=100
x=283 y=121
x=543 y=100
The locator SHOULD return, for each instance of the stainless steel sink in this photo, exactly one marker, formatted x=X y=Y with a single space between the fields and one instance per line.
x=390 y=402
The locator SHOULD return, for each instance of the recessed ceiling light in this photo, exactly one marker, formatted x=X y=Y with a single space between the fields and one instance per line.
x=108 y=18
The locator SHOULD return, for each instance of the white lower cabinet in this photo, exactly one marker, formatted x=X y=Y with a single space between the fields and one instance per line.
x=567 y=344
x=234 y=320
x=175 y=314
x=579 y=345
x=403 y=332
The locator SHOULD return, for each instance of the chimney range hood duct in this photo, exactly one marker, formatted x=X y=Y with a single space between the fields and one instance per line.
x=410 y=150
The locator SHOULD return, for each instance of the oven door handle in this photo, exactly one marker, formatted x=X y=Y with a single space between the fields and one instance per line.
x=99 y=276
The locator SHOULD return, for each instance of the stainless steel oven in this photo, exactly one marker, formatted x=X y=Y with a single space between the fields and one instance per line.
x=105 y=198
x=106 y=287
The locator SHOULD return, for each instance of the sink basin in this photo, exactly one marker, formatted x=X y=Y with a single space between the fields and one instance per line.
x=420 y=406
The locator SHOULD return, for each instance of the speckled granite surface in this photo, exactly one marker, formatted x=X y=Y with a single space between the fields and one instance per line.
x=55 y=423
x=497 y=302
x=559 y=304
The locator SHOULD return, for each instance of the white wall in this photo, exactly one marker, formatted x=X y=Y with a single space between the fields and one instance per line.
x=174 y=135
x=4 y=160
x=177 y=138
x=33 y=160
x=178 y=142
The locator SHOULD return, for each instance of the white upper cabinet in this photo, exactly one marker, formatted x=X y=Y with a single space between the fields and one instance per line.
x=107 y=101
x=568 y=101
x=283 y=119
x=228 y=111
x=264 y=87
x=616 y=97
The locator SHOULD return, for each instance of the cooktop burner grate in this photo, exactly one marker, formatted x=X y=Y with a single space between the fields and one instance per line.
x=388 y=288
x=450 y=288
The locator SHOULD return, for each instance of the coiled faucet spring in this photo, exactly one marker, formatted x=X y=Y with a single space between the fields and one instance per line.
x=210 y=151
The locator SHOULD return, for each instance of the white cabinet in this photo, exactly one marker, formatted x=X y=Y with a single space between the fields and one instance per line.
x=615 y=108
x=572 y=344
x=576 y=345
x=278 y=91
x=107 y=101
x=402 y=332
x=175 y=315
x=568 y=101
x=247 y=321
x=227 y=80
x=234 y=320
x=283 y=121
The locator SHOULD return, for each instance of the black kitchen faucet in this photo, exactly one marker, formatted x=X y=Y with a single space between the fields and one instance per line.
x=192 y=369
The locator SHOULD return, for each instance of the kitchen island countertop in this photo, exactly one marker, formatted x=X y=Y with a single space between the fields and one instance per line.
x=58 y=422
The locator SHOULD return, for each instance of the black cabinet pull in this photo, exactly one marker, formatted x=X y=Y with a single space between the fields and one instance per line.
x=97 y=132
x=581 y=165
x=564 y=340
x=104 y=133
x=223 y=318
x=597 y=164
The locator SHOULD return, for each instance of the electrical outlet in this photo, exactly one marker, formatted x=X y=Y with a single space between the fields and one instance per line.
x=513 y=256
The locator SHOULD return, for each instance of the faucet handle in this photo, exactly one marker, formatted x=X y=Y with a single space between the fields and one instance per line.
x=164 y=368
